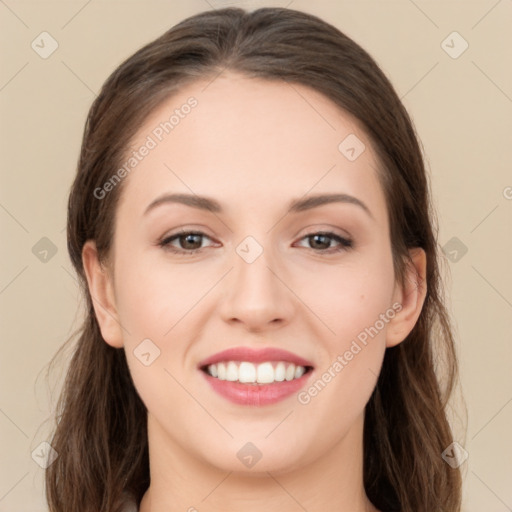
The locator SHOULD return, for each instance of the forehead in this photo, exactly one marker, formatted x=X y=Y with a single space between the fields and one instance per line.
x=245 y=140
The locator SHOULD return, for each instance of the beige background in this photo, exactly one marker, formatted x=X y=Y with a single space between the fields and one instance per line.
x=462 y=108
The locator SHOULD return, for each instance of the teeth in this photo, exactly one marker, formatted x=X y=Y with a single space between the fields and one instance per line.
x=290 y=372
x=232 y=372
x=263 y=373
x=280 y=372
x=246 y=372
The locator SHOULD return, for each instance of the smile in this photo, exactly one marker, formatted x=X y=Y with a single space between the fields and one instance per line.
x=256 y=377
x=249 y=373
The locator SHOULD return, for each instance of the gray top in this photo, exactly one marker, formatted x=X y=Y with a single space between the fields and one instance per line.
x=129 y=504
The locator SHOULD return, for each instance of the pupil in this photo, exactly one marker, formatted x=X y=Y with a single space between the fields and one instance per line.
x=190 y=238
x=316 y=237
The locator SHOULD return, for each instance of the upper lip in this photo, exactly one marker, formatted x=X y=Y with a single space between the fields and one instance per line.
x=255 y=356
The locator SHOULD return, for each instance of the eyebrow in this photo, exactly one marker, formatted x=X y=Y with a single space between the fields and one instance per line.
x=295 y=206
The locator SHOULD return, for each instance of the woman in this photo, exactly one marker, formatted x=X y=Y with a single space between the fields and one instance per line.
x=252 y=228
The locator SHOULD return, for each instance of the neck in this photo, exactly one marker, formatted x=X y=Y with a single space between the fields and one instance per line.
x=182 y=482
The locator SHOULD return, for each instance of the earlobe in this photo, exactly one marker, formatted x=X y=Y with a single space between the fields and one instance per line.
x=410 y=296
x=102 y=294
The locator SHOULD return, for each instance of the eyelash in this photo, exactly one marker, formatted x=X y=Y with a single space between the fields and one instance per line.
x=345 y=243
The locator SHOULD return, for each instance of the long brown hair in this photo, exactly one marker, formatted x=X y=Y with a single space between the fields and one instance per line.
x=100 y=432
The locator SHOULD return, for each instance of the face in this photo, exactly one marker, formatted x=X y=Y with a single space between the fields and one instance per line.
x=260 y=268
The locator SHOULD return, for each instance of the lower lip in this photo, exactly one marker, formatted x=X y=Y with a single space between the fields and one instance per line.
x=256 y=394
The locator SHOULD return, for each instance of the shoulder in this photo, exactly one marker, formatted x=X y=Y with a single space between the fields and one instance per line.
x=129 y=504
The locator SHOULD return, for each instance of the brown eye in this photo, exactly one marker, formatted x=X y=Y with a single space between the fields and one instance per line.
x=321 y=242
x=189 y=242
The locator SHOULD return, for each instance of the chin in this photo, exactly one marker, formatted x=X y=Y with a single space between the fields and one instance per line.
x=256 y=457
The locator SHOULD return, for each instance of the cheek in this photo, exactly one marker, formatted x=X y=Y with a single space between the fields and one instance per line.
x=152 y=296
x=153 y=302
x=160 y=307
x=355 y=303
x=349 y=298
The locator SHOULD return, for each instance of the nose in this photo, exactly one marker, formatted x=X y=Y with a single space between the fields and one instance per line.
x=256 y=294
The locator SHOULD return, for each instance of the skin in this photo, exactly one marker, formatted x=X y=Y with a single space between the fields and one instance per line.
x=253 y=145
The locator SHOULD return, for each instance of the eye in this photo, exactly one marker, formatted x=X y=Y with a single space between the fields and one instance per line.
x=321 y=241
x=189 y=242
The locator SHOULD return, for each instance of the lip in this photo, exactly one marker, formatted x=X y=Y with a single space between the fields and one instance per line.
x=255 y=356
x=256 y=394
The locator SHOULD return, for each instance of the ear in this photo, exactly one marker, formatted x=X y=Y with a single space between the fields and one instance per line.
x=409 y=298
x=101 y=289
